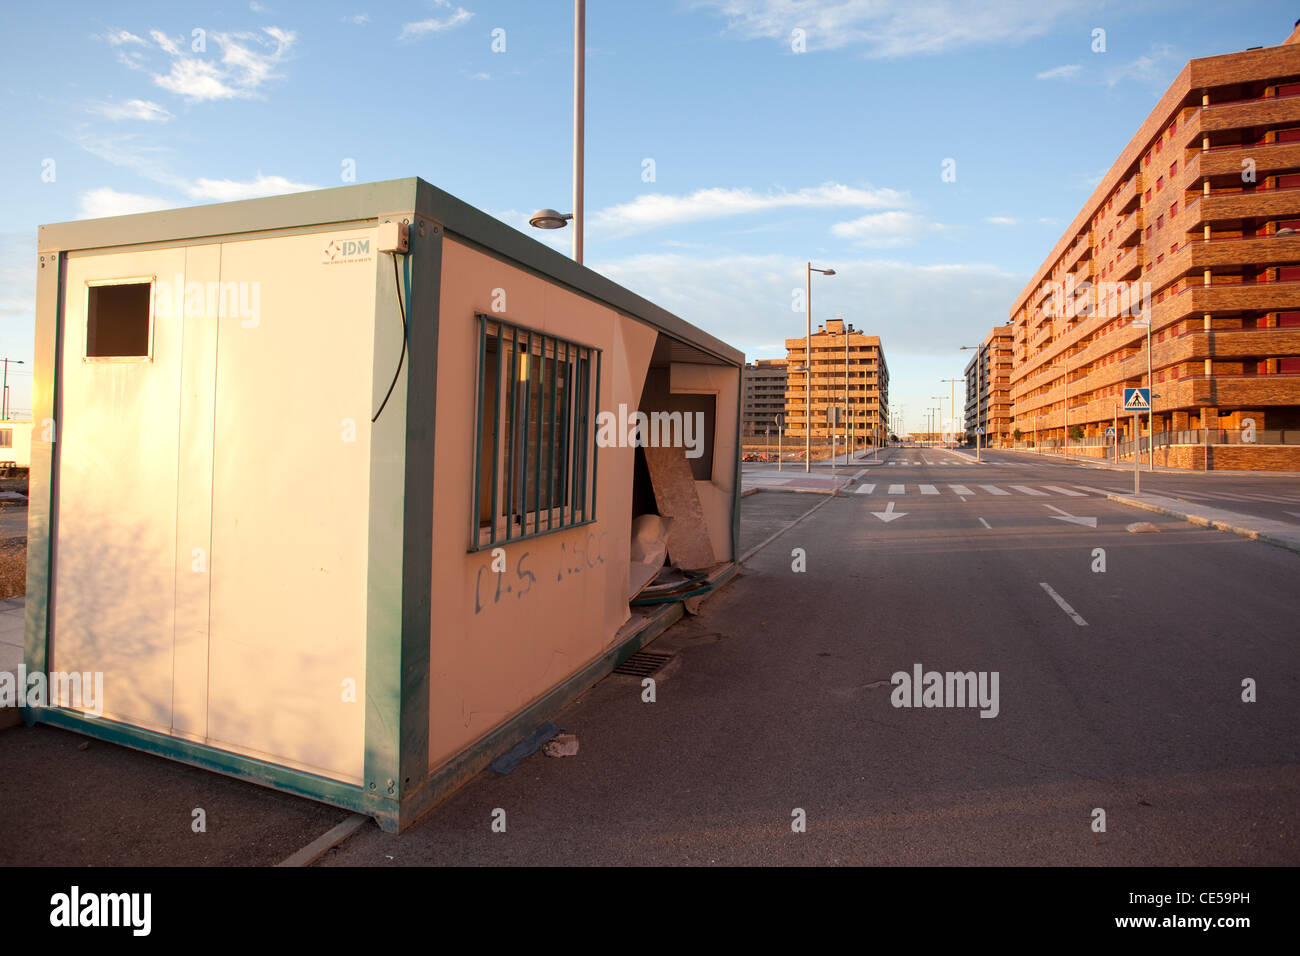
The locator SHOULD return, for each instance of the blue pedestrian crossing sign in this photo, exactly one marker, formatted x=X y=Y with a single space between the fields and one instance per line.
x=980 y=430
x=1137 y=399
x=1110 y=432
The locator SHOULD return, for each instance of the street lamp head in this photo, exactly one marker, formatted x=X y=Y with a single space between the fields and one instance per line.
x=549 y=219
x=827 y=272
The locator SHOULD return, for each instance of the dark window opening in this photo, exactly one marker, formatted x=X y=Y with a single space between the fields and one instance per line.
x=117 y=320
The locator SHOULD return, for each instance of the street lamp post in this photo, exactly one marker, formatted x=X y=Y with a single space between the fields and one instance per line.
x=549 y=218
x=807 y=460
x=4 y=395
x=1145 y=322
x=938 y=419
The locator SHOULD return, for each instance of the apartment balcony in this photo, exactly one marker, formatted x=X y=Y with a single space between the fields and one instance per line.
x=1226 y=298
x=1082 y=249
x=1197 y=255
x=1238 y=114
x=1224 y=163
x=1128 y=195
x=1129 y=265
x=1129 y=231
x=1233 y=207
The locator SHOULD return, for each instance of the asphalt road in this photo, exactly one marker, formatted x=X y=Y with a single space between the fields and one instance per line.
x=778 y=697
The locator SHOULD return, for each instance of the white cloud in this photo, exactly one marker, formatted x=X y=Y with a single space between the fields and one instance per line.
x=435 y=25
x=165 y=43
x=259 y=8
x=653 y=210
x=1067 y=72
x=1156 y=68
x=1002 y=220
x=893 y=28
x=106 y=201
x=893 y=228
x=132 y=109
x=247 y=61
x=914 y=308
x=359 y=19
x=121 y=37
x=228 y=190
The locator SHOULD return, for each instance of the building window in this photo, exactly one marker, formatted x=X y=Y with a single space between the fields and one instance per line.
x=1160 y=183
x=1160 y=222
x=6 y=438
x=119 y=320
x=535 y=455
x=1173 y=169
x=1146 y=197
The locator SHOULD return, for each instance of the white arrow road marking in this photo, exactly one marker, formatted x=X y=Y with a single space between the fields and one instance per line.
x=1061 y=602
x=1294 y=513
x=986 y=524
x=889 y=514
x=1066 y=516
x=864 y=489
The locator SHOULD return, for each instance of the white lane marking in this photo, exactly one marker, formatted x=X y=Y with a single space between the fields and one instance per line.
x=1294 y=513
x=1193 y=495
x=1065 y=491
x=994 y=490
x=891 y=463
x=1275 y=498
x=961 y=489
x=864 y=489
x=1073 y=519
x=896 y=489
x=1061 y=603
x=929 y=490
x=986 y=524
x=1026 y=490
x=1225 y=495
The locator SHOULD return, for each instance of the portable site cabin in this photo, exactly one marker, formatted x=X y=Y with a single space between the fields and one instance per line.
x=324 y=501
x=15 y=444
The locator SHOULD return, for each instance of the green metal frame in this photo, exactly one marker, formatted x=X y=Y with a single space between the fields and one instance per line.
x=582 y=399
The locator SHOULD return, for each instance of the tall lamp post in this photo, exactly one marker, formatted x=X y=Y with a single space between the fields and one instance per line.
x=4 y=395
x=979 y=393
x=1145 y=322
x=807 y=449
x=938 y=419
x=549 y=218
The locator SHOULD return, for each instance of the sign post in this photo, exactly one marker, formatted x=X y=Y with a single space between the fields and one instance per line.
x=780 y=428
x=1136 y=400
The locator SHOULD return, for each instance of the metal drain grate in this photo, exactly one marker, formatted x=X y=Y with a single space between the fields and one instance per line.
x=642 y=664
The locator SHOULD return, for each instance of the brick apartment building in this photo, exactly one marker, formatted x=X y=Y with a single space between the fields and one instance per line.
x=1202 y=212
x=867 y=385
x=991 y=409
x=763 y=395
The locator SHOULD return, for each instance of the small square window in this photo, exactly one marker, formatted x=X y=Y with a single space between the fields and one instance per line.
x=119 y=320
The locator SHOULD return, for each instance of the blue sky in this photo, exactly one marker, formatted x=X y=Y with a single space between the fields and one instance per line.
x=763 y=156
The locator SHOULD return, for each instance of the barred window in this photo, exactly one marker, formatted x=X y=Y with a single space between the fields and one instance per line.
x=535 y=451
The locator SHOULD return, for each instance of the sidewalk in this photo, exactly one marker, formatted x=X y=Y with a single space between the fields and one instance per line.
x=1106 y=465
x=1280 y=534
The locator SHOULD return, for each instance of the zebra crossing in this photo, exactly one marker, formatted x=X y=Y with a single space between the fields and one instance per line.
x=975 y=491
x=942 y=464
x=1006 y=490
